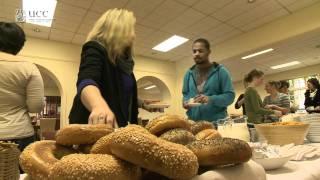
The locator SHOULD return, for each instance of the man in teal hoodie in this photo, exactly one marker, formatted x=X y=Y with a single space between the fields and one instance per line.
x=208 y=83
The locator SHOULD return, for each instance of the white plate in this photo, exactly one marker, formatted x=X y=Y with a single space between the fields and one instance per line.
x=157 y=105
x=194 y=104
x=272 y=163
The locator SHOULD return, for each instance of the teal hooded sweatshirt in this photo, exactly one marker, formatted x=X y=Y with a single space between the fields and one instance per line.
x=218 y=87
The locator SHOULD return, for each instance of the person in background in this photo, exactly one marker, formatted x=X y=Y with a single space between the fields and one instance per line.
x=106 y=85
x=312 y=96
x=284 y=87
x=240 y=101
x=276 y=101
x=21 y=88
x=254 y=107
x=208 y=83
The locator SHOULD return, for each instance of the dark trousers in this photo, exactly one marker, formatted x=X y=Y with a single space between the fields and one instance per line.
x=24 y=142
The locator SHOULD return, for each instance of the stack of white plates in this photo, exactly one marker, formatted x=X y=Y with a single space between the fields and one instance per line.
x=314 y=131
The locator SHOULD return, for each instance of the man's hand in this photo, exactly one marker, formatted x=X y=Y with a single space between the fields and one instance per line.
x=201 y=99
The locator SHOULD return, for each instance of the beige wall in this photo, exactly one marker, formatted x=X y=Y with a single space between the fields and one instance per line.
x=292 y=74
x=61 y=61
x=50 y=91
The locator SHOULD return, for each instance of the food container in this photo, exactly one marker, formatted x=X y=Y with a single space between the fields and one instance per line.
x=9 y=161
x=282 y=133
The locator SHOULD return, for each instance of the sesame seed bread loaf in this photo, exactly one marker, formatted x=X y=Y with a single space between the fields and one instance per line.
x=163 y=123
x=220 y=151
x=208 y=134
x=94 y=166
x=76 y=134
x=154 y=154
x=179 y=136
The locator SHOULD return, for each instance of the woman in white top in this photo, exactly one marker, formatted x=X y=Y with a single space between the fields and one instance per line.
x=276 y=100
x=21 y=88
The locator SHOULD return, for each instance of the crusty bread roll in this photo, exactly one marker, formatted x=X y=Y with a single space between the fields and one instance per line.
x=163 y=123
x=154 y=154
x=220 y=151
x=38 y=158
x=179 y=136
x=102 y=146
x=201 y=125
x=208 y=134
x=82 y=133
x=94 y=166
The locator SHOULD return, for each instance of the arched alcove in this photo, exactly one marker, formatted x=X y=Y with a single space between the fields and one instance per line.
x=53 y=93
x=152 y=88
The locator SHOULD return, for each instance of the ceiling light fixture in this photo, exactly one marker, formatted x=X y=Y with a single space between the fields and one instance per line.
x=285 y=65
x=173 y=42
x=36 y=30
x=39 y=12
x=150 y=87
x=257 y=53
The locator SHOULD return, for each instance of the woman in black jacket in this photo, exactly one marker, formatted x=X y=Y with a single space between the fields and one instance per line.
x=106 y=86
x=312 y=96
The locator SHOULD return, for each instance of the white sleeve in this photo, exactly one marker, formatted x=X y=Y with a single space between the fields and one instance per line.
x=35 y=91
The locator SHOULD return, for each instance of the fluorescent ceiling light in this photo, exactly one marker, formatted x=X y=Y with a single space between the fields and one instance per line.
x=285 y=65
x=39 y=12
x=150 y=87
x=257 y=53
x=170 y=43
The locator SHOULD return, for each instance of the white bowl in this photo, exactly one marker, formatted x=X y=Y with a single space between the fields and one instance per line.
x=272 y=163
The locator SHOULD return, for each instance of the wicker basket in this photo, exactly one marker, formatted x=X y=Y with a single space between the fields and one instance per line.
x=9 y=161
x=283 y=134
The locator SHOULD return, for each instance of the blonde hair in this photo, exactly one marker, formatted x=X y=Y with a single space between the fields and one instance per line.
x=114 y=30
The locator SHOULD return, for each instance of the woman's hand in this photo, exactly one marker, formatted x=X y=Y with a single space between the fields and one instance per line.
x=277 y=113
x=102 y=115
x=186 y=105
x=270 y=106
x=99 y=108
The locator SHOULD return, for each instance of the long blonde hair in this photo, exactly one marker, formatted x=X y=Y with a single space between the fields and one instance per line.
x=115 y=31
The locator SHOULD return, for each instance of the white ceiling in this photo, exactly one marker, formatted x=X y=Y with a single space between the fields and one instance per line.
x=216 y=20
x=157 y=20
x=304 y=48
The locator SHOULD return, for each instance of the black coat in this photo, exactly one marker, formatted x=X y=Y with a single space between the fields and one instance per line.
x=315 y=101
x=96 y=65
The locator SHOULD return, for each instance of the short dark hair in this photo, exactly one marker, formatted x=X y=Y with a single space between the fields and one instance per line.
x=275 y=84
x=284 y=83
x=252 y=74
x=12 y=38
x=314 y=82
x=204 y=42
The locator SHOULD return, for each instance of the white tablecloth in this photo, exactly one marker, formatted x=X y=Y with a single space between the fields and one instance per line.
x=297 y=170
x=293 y=170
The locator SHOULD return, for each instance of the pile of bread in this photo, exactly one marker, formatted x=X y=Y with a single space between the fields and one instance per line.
x=169 y=147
